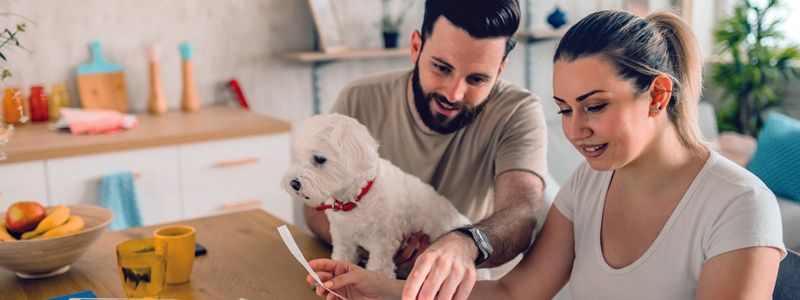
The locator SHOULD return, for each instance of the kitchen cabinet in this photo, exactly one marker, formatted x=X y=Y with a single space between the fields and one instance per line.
x=221 y=176
x=217 y=160
x=76 y=180
x=24 y=181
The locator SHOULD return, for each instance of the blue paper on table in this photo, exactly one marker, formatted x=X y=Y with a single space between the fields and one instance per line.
x=118 y=194
x=86 y=294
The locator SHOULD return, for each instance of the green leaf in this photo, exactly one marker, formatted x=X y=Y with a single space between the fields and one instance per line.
x=3 y=56
x=758 y=62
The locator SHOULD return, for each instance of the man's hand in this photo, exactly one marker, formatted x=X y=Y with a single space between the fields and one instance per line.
x=446 y=270
x=411 y=248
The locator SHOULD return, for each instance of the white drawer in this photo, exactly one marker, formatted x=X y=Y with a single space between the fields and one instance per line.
x=23 y=181
x=76 y=180
x=235 y=174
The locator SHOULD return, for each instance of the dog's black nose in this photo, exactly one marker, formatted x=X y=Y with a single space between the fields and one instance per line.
x=295 y=184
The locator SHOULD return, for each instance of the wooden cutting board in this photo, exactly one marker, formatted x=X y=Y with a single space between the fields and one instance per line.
x=101 y=84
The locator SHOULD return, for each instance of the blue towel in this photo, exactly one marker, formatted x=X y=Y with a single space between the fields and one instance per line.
x=118 y=194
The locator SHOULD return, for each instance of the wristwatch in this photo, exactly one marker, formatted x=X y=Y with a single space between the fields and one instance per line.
x=481 y=242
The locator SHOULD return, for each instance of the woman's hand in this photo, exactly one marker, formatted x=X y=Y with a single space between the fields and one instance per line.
x=351 y=281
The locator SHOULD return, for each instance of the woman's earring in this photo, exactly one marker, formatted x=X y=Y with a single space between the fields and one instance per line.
x=657 y=109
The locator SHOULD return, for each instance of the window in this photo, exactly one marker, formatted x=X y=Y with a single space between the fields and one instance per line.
x=791 y=22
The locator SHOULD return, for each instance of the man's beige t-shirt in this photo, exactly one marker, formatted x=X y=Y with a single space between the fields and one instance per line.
x=509 y=134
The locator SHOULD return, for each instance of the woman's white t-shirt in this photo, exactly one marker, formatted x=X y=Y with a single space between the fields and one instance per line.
x=725 y=208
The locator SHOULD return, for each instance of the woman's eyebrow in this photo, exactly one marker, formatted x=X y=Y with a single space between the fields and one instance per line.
x=581 y=97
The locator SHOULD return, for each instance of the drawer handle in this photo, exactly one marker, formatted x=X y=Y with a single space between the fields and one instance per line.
x=243 y=204
x=136 y=175
x=237 y=162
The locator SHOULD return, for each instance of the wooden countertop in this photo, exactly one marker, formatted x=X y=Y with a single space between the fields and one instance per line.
x=246 y=259
x=36 y=141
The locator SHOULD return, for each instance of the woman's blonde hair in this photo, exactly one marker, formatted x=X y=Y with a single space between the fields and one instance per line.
x=642 y=49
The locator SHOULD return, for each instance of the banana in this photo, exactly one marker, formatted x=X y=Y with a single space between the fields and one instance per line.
x=74 y=224
x=55 y=218
x=4 y=235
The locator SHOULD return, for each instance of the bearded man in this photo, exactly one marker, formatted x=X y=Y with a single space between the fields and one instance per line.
x=477 y=139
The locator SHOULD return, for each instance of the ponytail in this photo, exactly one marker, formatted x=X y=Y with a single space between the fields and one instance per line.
x=642 y=49
x=685 y=58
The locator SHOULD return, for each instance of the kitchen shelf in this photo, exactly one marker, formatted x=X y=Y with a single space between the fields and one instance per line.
x=540 y=35
x=36 y=141
x=318 y=56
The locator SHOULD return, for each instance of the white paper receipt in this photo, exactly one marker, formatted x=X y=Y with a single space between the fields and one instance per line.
x=292 y=245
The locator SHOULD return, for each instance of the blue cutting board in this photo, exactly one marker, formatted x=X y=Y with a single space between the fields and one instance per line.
x=101 y=84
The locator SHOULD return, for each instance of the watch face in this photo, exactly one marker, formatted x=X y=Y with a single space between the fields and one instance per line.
x=484 y=241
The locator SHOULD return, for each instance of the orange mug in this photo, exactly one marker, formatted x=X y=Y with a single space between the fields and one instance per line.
x=180 y=251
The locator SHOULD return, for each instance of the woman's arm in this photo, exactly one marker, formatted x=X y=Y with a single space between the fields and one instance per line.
x=543 y=271
x=541 y=274
x=747 y=273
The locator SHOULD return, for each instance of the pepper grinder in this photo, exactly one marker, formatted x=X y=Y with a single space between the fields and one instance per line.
x=189 y=100
x=156 y=104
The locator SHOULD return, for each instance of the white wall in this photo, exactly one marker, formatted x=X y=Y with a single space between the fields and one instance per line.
x=231 y=39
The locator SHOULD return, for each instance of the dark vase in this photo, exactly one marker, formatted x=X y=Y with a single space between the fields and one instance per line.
x=557 y=18
x=390 y=39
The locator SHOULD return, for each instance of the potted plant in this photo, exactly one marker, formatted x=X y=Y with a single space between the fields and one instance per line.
x=8 y=37
x=390 y=24
x=754 y=60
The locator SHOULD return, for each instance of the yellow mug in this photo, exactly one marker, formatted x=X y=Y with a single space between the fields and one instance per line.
x=180 y=251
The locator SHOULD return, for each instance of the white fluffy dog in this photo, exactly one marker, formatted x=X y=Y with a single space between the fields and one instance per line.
x=370 y=202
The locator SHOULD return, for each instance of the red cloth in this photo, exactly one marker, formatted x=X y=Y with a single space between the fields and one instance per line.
x=97 y=121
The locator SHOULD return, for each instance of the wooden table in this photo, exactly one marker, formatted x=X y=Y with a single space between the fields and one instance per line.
x=246 y=259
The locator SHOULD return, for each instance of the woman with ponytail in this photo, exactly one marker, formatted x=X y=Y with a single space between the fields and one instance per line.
x=653 y=213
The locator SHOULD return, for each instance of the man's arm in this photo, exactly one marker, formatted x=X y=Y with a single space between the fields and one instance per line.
x=318 y=222
x=519 y=195
x=543 y=271
x=447 y=266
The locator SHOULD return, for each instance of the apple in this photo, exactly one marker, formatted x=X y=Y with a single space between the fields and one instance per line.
x=24 y=216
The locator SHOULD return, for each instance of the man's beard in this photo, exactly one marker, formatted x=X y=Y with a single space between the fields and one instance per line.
x=434 y=120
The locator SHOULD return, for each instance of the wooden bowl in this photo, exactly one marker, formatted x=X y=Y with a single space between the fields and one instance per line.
x=49 y=257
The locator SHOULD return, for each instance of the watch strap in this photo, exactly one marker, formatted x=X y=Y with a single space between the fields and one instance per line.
x=471 y=232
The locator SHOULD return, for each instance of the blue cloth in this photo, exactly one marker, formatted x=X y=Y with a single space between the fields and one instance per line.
x=776 y=161
x=86 y=294
x=118 y=194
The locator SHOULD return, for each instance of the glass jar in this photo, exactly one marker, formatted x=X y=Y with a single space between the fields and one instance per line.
x=14 y=107
x=38 y=104
x=58 y=99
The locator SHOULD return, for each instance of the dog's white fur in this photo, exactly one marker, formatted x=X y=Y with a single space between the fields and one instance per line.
x=397 y=205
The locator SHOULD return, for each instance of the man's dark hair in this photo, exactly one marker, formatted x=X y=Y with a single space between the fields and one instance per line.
x=479 y=18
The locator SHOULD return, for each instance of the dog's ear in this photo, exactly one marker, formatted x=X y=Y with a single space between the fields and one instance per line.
x=358 y=149
x=303 y=136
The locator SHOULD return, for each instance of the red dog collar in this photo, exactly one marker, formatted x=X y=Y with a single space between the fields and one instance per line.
x=338 y=205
